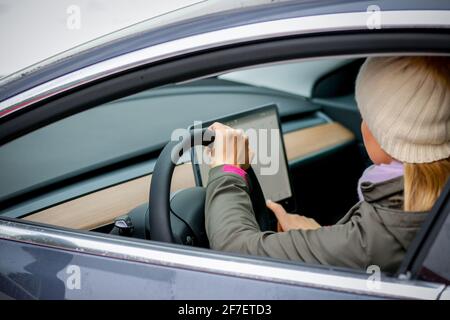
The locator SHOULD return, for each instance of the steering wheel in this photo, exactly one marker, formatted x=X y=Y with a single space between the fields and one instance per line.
x=186 y=207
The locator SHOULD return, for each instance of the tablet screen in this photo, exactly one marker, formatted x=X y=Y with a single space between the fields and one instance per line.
x=265 y=139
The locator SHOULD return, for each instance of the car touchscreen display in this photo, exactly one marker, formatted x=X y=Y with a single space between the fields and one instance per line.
x=265 y=139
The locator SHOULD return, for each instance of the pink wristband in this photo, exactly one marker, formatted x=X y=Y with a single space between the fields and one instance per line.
x=234 y=169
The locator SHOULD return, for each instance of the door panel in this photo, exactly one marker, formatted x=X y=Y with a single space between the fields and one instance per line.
x=34 y=272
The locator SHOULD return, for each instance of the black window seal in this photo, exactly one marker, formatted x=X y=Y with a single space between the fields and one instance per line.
x=418 y=250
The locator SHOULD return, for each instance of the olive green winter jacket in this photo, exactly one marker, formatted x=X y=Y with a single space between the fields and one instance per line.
x=375 y=231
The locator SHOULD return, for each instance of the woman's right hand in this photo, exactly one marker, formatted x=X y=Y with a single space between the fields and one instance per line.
x=230 y=147
x=287 y=221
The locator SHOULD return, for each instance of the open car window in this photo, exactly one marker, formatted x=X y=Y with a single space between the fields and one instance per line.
x=61 y=167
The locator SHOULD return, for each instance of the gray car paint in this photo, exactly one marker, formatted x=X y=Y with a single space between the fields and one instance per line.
x=35 y=272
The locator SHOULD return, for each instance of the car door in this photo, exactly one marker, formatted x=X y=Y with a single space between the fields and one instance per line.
x=428 y=257
x=41 y=262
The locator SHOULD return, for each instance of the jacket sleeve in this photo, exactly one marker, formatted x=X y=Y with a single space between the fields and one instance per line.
x=231 y=226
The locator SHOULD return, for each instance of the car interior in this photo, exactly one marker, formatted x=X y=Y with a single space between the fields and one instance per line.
x=92 y=170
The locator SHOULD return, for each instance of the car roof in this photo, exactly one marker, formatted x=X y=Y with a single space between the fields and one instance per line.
x=146 y=35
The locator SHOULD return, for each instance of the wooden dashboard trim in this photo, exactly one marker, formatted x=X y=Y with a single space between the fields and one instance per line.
x=102 y=207
x=304 y=142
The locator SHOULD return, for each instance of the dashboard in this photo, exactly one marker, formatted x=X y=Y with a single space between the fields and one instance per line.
x=117 y=135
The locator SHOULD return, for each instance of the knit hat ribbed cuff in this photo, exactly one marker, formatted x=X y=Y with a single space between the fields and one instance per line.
x=411 y=152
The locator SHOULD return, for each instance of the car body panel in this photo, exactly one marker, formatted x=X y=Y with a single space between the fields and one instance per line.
x=171 y=271
x=38 y=272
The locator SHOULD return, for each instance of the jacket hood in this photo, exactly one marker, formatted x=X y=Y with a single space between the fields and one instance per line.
x=387 y=200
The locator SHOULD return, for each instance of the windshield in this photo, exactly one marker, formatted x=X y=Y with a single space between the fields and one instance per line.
x=196 y=8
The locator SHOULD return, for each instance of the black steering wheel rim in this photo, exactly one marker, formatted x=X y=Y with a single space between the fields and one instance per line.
x=159 y=196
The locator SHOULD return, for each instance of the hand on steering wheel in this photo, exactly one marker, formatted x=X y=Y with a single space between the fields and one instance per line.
x=231 y=147
x=160 y=202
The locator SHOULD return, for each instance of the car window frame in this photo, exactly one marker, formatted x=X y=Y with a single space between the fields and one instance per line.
x=300 y=25
x=215 y=262
x=413 y=265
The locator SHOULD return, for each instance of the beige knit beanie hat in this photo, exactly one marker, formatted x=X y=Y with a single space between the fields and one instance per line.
x=405 y=102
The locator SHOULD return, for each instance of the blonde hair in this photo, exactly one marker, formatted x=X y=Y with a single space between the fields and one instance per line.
x=424 y=183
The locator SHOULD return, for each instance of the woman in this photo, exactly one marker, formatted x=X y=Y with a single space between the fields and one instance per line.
x=405 y=106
